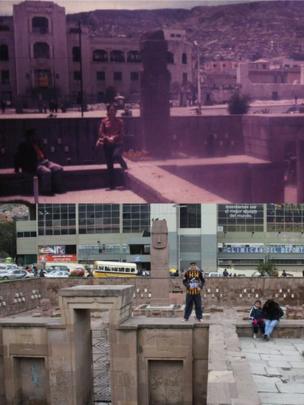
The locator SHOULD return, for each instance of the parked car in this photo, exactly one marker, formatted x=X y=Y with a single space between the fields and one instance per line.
x=213 y=274
x=13 y=274
x=57 y=274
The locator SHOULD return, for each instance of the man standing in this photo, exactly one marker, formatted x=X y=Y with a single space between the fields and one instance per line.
x=194 y=281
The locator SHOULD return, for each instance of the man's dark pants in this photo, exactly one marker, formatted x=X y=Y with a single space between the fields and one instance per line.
x=195 y=299
x=113 y=153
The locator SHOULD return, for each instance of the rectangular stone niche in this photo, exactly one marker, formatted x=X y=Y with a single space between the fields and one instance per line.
x=165 y=382
x=31 y=380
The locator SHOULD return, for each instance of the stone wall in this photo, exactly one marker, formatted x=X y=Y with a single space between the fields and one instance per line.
x=20 y=296
x=71 y=141
x=235 y=291
x=271 y=137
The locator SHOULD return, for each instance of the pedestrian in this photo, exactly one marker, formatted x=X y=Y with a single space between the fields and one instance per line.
x=225 y=273
x=284 y=274
x=3 y=106
x=31 y=158
x=110 y=137
x=256 y=316
x=194 y=281
x=41 y=273
x=272 y=313
x=35 y=271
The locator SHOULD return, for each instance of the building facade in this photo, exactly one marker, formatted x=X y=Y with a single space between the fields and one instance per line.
x=271 y=79
x=44 y=56
x=239 y=236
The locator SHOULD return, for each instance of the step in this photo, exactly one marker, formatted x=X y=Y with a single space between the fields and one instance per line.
x=82 y=177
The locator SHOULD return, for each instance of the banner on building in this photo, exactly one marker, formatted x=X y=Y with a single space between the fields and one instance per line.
x=264 y=249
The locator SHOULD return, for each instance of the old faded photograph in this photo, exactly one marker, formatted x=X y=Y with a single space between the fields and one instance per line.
x=161 y=102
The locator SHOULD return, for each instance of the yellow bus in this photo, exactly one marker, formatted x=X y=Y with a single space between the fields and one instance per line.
x=114 y=269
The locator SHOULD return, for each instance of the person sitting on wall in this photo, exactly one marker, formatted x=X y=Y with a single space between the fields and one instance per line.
x=31 y=159
x=272 y=313
x=194 y=281
x=110 y=137
x=256 y=316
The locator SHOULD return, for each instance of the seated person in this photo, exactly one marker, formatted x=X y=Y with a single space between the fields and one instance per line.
x=272 y=313
x=31 y=159
x=256 y=316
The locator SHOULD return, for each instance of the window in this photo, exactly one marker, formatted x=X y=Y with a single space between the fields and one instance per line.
x=117 y=56
x=41 y=50
x=26 y=234
x=76 y=53
x=190 y=215
x=4 y=28
x=5 y=77
x=117 y=76
x=56 y=219
x=136 y=218
x=42 y=78
x=40 y=25
x=77 y=75
x=134 y=76
x=185 y=78
x=170 y=57
x=4 y=56
x=100 y=55
x=241 y=217
x=184 y=59
x=285 y=217
x=101 y=75
x=98 y=218
x=134 y=57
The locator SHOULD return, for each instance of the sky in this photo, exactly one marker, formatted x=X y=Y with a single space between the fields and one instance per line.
x=74 y=6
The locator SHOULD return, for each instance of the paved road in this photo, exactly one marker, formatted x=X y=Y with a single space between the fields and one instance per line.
x=278 y=369
x=274 y=107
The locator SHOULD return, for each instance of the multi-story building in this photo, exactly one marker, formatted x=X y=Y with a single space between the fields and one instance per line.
x=45 y=56
x=271 y=79
x=236 y=235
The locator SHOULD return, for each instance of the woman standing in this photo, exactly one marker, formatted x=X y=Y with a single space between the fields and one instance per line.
x=272 y=313
x=110 y=137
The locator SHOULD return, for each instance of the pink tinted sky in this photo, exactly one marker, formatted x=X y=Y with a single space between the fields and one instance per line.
x=74 y=6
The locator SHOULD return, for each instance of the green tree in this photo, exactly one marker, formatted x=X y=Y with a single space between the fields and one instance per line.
x=238 y=104
x=268 y=268
x=7 y=239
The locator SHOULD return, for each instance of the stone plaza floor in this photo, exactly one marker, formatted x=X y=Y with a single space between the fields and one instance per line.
x=277 y=368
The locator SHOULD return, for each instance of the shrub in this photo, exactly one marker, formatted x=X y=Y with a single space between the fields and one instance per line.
x=238 y=104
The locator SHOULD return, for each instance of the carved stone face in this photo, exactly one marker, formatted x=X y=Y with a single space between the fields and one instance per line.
x=159 y=234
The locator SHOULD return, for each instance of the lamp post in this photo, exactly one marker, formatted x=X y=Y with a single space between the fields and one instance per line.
x=198 y=78
x=81 y=69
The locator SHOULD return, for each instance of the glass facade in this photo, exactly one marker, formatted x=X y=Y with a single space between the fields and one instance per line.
x=190 y=216
x=136 y=218
x=285 y=217
x=99 y=218
x=241 y=217
x=56 y=219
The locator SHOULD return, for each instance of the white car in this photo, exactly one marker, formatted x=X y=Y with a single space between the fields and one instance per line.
x=57 y=274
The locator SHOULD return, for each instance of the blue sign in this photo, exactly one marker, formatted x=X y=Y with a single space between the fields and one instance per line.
x=275 y=249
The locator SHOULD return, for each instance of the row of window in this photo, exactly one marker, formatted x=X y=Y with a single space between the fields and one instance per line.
x=26 y=234
x=101 y=76
x=41 y=50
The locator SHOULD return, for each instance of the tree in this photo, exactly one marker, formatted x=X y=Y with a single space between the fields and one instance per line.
x=238 y=104
x=267 y=268
x=7 y=239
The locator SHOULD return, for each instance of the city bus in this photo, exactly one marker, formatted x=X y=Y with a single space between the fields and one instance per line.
x=114 y=269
